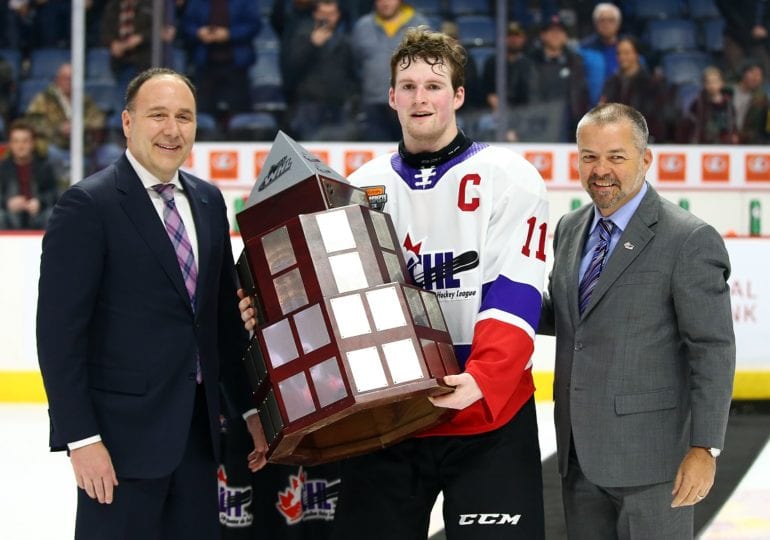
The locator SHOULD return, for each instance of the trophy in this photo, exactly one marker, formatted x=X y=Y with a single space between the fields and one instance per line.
x=346 y=352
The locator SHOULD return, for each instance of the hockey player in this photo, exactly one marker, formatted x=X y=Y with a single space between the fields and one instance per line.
x=472 y=219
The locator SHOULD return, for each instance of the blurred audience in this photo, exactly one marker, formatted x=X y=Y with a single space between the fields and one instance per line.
x=520 y=70
x=474 y=95
x=27 y=182
x=559 y=76
x=607 y=20
x=50 y=114
x=285 y=17
x=220 y=33
x=126 y=30
x=320 y=57
x=334 y=61
x=712 y=116
x=598 y=47
x=751 y=104
x=747 y=23
x=52 y=20
x=375 y=36
x=7 y=90
x=633 y=85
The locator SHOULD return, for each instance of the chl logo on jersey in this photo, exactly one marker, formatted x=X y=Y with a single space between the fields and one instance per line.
x=436 y=270
x=308 y=499
x=234 y=502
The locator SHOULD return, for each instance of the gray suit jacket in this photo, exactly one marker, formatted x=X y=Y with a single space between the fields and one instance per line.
x=647 y=370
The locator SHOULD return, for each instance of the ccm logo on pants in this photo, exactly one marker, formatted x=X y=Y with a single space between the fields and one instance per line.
x=489 y=519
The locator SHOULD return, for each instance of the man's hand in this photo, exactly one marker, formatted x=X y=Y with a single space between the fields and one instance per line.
x=256 y=458
x=94 y=471
x=248 y=315
x=33 y=207
x=694 y=477
x=466 y=392
x=16 y=204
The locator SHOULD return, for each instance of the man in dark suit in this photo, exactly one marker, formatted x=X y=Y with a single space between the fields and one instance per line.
x=645 y=350
x=137 y=327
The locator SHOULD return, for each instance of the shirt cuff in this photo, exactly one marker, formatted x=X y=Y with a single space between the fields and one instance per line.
x=83 y=442
x=250 y=412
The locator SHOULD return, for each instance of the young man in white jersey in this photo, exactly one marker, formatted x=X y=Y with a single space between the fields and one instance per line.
x=472 y=220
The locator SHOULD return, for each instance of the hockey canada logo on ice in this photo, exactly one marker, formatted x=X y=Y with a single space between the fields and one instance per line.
x=234 y=502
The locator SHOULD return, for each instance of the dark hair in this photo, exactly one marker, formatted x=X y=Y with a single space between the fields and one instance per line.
x=750 y=63
x=612 y=113
x=20 y=124
x=635 y=43
x=137 y=82
x=433 y=48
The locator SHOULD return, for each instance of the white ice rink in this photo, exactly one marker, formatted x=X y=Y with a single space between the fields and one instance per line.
x=37 y=489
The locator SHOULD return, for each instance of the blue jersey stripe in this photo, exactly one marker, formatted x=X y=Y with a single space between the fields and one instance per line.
x=519 y=299
x=462 y=352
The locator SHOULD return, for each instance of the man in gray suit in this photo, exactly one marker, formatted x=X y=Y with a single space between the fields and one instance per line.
x=645 y=350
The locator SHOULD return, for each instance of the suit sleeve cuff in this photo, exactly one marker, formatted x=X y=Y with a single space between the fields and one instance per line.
x=83 y=442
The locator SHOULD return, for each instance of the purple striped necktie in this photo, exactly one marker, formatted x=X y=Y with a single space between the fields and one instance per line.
x=599 y=257
x=182 y=246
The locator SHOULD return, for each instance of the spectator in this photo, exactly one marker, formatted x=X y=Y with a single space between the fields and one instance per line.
x=712 y=115
x=633 y=85
x=21 y=19
x=375 y=37
x=285 y=17
x=221 y=33
x=746 y=33
x=52 y=23
x=127 y=31
x=604 y=40
x=751 y=104
x=50 y=113
x=520 y=70
x=474 y=96
x=559 y=76
x=321 y=59
x=27 y=182
x=7 y=89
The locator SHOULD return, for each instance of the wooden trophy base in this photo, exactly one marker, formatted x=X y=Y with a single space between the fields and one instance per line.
x=374 y=421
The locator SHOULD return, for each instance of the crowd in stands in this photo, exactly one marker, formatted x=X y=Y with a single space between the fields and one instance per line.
x=319 y=69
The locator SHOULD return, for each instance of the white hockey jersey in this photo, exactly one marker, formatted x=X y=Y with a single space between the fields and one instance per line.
x=473 y=230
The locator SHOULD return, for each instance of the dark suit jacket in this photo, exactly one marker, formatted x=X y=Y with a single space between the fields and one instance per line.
x=647 y=370
x=117 y=338
x=43 y=188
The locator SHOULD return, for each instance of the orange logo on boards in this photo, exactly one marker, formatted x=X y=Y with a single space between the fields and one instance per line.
x=260 y=156
x=323 y=155
x=574 y=171
x=758 y=167
x=543 y=162
x=715 y=167
x=671 y=167
x=355 y=158
x=189 y=162
x=223 y=165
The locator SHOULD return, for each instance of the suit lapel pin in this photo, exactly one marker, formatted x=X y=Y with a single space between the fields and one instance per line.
x=628 y=245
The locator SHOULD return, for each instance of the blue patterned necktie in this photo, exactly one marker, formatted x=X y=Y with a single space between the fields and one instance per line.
x=599 y=257
x=182 y=247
